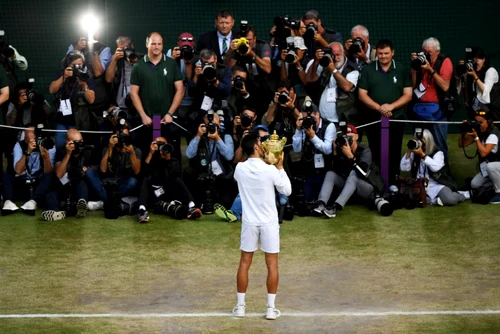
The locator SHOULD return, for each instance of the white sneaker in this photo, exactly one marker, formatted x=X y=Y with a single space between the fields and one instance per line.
x=239 y=311
x=272 y=313
x=8 y=208
x=51 y=215
x=29 y=207
x=466 y=193
x=92 y=206
x=439 y=201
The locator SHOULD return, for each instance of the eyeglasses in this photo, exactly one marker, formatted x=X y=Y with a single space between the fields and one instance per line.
x=186 y=39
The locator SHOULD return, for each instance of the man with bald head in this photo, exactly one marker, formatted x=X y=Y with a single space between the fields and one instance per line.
x=162 y=184
x=335 y=84
x=156 y=88
x=362 y=53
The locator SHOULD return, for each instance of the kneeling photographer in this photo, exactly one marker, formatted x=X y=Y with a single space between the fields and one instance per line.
x=313 y=138
x=425 y=159
x=354 y=173
x=120 y=165
x=33 y=165
x=211 y=153
x=482 y=132
x=162 y=185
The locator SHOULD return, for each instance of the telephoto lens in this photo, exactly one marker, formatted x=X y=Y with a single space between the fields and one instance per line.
x=413 y=144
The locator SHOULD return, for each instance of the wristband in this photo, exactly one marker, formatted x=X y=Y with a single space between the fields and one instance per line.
x=476 y=139
x=300 y=69
x=433 y=72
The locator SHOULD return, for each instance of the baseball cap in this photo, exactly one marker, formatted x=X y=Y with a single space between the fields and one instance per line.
x=353 y=128
x=299 y=43
x=186 y=39
x=261 y=127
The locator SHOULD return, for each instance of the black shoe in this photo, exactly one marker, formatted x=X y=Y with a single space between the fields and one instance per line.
x=330 y=212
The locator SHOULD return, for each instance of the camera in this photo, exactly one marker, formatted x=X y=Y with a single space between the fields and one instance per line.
x=311 y=29
x=467 y=66
x=246 y=120
x=243 y=45
x=129 y=53
x=124 y=139
x=328 y=56
x=357 y=46
x=79 y=146
x=115 y=113
x=187 y=52
x=239 y=82
x=284 y=24
x=174 y=209
x=309 y=120
x=283 y=97
x=164 y=147
x=291 y=55
x=415 y=144
x=383 y=206
x=40 y=140
x=211 y=126
x=342 y=137
x=470 y=125
x=80 y=73
x=208 y=71
x=420 y=60
x=220 y=112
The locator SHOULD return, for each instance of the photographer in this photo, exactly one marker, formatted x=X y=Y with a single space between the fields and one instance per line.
x=26 y=107
x=219 y=39
x=282 y=112
x=120 y=163
x=316 y=35
x=243 y=122
x=481 y=82
x=119 y=70
x=73 y=162
x=291 y=63
x=97 y=58
x=211 y=83
x=431 y=77
x=314 y=138
x=162 y=185
x=351 y=163
x=425 y=159
x=335 y=79
x=211 y=152
x=33 y=166
x=74 y=93
x=485 y=135
x=242 y=91
x=4 y=97
x=10 y=59
x=361 y=53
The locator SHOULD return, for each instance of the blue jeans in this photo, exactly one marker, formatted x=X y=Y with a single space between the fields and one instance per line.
x=41 y=193
x=125 y=185
x=237 y=208
x=60 y=137
x=312 y=187
x=440 y=134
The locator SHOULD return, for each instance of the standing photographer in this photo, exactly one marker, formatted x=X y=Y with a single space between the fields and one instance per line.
x=485 y=135
x=243 y=123
x=74 y=93
x=358 y=48
x=33 y=167
x=242 y=92
x=425 y=159
x=313 y=138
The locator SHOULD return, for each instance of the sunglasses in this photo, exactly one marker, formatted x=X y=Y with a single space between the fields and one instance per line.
x=186 y=39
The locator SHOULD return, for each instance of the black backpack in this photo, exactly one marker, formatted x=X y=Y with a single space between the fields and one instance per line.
x=482 y=195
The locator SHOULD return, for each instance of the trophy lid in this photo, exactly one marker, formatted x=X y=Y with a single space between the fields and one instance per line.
x=274 y=136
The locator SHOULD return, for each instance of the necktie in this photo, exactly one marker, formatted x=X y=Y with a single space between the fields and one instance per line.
x=224 y=48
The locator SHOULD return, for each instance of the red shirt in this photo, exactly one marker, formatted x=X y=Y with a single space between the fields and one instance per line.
x=446 y=72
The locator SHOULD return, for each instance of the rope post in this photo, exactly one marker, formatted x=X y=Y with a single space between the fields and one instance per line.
x=384 y=151
x=156 y=126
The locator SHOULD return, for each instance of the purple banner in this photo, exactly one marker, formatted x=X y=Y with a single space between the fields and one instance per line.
x=384 y=151
x=156 y=126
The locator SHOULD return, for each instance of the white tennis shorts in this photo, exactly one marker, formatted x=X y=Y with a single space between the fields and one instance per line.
x=269 y=236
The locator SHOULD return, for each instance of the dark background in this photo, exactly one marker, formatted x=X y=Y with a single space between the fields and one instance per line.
x=42 y=30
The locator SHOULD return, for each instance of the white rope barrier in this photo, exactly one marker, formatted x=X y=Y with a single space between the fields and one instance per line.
x=54 y=130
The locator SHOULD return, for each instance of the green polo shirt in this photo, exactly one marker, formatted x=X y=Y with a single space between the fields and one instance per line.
x=385 y=87
x=4 y=82
x=156 y=83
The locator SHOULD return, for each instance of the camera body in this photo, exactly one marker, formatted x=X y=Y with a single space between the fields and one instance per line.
x=291 y=54
x=187 y=52
x=124 y=139
x=79 y=146
x=342 y=137
x=243 y=45
x=115 y=113
x=283 y=97
x=80 y=73
x=42 y=140
x=208 y=71
x=416 y=144
x=327 y=58
x=211 y=126
x=311 y=30
x=467 y=66
x=470 y=125
x=164 y=147
x=420 y=60
x=357 y=46
x=129 y=53
x=246 y=121
x=239 y=82
x=309 y=121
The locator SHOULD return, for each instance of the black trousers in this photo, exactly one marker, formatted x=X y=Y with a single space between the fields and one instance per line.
x=174 y=189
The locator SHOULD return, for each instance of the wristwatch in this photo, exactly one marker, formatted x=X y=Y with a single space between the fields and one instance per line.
x=335 y=71
x=26 y=153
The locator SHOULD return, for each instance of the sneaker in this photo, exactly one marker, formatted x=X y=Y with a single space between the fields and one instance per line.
x=29 y=207
x=320 y=207
x=239 y=311
x=51 y=215
x=330 y=212
x=439 y=201
x=81 y=208
x=143 y=216
x=92 y=206
x=466 y=193
x=495 y=199
x=194 y=213
x=9 y=207
x=225 y=214
x=272 y=313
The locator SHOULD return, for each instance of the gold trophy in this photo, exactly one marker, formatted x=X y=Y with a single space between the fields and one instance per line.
x=273 y=148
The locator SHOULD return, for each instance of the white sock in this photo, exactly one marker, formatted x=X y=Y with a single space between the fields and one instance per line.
x=271 y=297
x=191 y=204
x=142 y=207
x=241 y=298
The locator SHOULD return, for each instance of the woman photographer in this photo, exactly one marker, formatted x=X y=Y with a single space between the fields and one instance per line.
x=425 y=159
x=480 y=85
x=74 y=93
x=485 y=135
